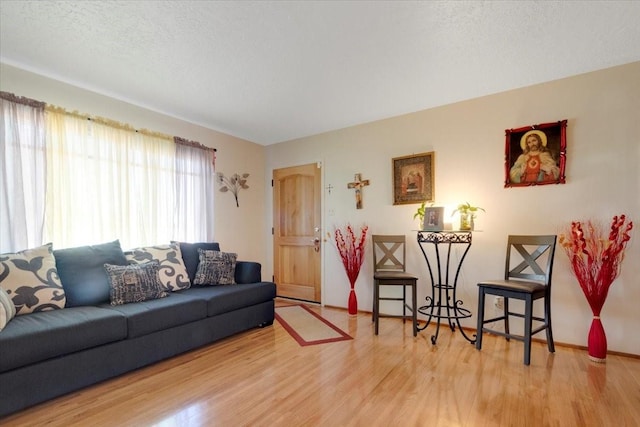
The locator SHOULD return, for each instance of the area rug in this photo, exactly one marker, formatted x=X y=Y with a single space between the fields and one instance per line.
x=308 y=327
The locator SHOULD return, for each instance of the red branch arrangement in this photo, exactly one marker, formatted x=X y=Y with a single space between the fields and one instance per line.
x=595 y=261
x=351 y=250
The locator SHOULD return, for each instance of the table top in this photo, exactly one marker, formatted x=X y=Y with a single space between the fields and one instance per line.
x=444 y=236
x=446 y=231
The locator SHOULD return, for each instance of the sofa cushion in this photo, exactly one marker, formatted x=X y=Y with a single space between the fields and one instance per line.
x=173 y=273
x=134 y=282
x=150 y=316
x=7 y=309
x=39 y=336
x=31 y=280
x=223 y=299
x=82 y=272
x=216 y=268
x=192 y=258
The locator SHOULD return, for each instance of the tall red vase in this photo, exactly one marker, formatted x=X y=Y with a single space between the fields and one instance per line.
x=353 y=303
x=597 y=343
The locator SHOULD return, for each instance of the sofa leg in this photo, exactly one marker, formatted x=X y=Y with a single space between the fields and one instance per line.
x=265 y=324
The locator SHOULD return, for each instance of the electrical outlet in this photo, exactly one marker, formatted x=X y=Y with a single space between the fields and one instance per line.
x=499 y=303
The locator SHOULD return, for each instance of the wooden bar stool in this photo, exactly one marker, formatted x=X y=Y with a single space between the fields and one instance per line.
x=389 y=255
x=527 y=277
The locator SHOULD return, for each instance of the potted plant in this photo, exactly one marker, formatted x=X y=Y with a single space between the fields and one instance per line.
x=467 y=215
x=420 y=214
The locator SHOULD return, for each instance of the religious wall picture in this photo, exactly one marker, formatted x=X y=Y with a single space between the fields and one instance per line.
x=413 y=179
x=358 y=184
x=536 y=155
x=433 y=218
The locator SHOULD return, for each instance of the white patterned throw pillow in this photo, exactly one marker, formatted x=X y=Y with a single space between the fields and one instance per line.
x=31 y=280
x=7 y=309
x=173 y=273
x=216 y=268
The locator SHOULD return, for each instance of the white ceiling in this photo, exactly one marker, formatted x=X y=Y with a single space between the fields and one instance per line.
x=271 y=71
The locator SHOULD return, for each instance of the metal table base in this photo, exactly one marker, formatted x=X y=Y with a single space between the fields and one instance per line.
x=443 y=302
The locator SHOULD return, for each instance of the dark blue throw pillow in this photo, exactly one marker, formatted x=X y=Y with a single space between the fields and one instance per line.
x=81 y=271
x=191 y=257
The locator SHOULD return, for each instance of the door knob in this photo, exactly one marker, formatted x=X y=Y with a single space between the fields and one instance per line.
x=316 y=244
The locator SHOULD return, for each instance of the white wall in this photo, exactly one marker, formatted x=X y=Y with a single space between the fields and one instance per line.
x=603 y=113
x=235 y=228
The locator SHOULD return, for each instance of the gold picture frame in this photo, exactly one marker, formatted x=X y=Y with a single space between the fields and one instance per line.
x=413 y=178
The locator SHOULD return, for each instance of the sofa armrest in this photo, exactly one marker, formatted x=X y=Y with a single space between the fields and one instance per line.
x=248 y=272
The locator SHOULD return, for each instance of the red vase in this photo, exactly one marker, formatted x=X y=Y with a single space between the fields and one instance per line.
x=597 y=343
x=353 y=303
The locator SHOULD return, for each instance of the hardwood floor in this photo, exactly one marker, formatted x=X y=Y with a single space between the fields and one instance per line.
x=264 y=378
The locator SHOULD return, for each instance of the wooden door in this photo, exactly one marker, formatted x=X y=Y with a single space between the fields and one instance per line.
x=296 y=231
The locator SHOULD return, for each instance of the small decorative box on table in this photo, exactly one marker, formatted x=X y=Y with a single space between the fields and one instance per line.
x=443 y=303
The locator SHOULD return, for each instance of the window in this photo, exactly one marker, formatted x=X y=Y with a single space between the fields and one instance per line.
x=100 y=181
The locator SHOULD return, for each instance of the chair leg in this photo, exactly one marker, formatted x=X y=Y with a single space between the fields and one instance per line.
x=414 y=304
x=404 y=304
x=480 y=318
x=505 y=304
x=547 y=315
x=375 y=297
x=528 y=320
x=376 y=305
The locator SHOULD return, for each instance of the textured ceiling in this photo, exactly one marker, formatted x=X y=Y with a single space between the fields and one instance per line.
x=273 y=71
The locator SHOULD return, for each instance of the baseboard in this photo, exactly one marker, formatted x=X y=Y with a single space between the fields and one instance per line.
x=567 y=345
x=558 y=343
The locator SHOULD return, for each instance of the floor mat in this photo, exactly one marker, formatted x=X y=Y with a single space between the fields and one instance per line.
x=308 y=327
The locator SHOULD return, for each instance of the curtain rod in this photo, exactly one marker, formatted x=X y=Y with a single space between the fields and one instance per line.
x=22 y=100
x=108 y=122
x=183 y=141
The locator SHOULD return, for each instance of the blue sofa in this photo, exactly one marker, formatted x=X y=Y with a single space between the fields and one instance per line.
x=50 y=353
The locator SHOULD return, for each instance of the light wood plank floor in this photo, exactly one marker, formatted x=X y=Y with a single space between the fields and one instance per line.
x=264 y=378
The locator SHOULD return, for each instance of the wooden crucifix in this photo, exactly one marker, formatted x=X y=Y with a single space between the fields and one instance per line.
x=358 y=183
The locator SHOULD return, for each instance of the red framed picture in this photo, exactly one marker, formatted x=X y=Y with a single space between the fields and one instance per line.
x=536 y=155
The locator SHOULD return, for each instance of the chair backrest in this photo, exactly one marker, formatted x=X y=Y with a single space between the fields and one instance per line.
x=389 y=252
x=530 y=258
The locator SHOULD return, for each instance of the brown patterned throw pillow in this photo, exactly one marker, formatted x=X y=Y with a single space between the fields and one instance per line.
x=173 y=273
x=134 y=282
x=216 y=268
x=31 y=280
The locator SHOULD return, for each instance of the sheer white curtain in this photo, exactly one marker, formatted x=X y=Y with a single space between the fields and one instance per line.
x=195 y=180
x=23 y=174
x=107 y=181
x=74 y=181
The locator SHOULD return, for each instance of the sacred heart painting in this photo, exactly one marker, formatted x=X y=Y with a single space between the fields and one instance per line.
x=536 y=155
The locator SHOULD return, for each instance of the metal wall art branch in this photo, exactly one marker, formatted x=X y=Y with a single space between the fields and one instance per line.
x=232 y=183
